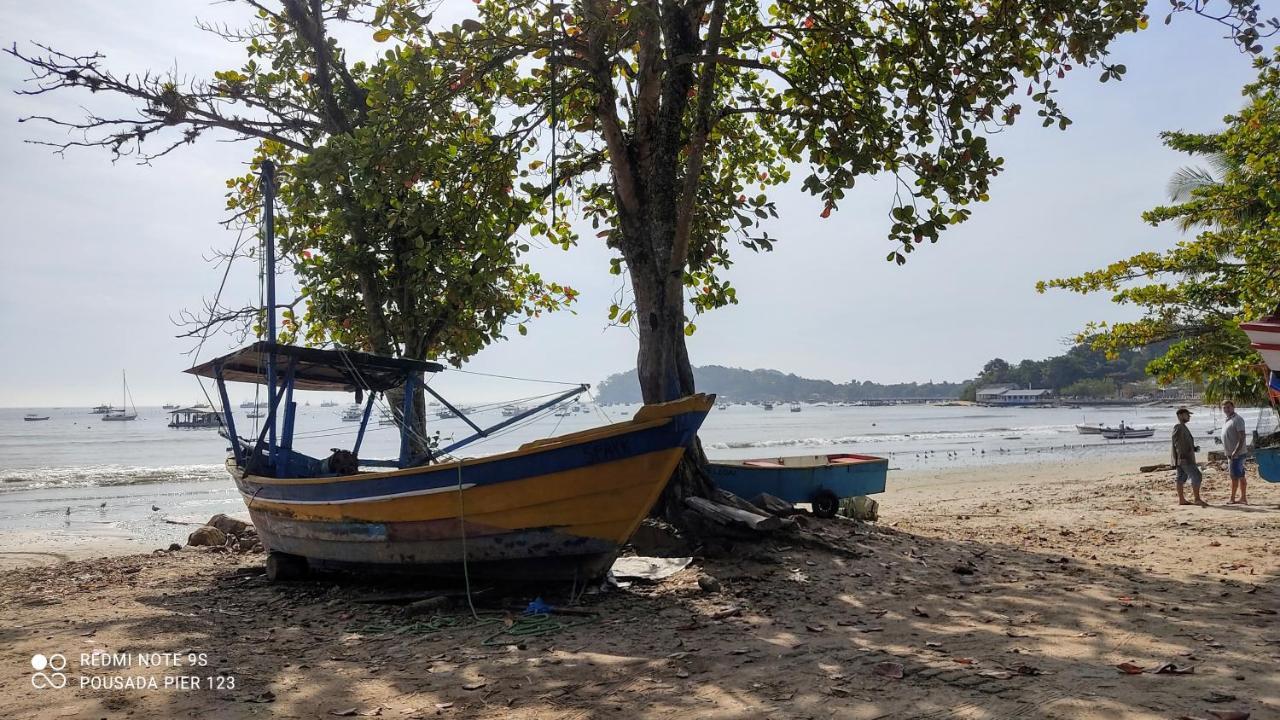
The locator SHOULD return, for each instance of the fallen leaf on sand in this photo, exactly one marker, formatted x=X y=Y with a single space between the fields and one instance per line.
x=1028 y=670
x=444 y=706
x=1129 y=668
x=1230 y=714
x=965 y=660
x=889 y=670
x=1217 y=697
x=348 y=712
x=997 y=674
x=814 y=628
x=962 y=570
x=475 y=685
x=1172 y=669
x=266 y=697
x=918 y=612
x=682 y=673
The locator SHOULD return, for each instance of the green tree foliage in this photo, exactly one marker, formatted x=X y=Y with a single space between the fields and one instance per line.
x=693 y=111
x=1195 y=295
x=1083 y=371
x=697 y=109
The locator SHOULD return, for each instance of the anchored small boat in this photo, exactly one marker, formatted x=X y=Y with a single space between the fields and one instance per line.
x=34 y=417
x=353 y=413
x=1127 y=433
x=795 y=407
x=822 y=480
x=1090 y=429
x=101 y=409
x=123 y=414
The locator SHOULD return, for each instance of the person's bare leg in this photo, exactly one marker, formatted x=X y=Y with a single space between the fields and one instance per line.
x=1244 y=500
x=1182 y=498
x=1195 y=495
x=1235 y=486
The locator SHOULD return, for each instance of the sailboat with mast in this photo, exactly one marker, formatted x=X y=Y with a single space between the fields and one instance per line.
x=126 y=403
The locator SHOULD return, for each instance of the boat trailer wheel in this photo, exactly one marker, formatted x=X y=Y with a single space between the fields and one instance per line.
x=825 y=504
x=284 y=567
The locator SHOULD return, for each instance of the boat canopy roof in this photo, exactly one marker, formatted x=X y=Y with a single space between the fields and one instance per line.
x=317 y=369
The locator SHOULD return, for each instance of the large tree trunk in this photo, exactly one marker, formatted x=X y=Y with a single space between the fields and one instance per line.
x=663 y=367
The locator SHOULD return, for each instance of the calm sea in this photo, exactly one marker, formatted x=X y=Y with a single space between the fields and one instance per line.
x=76 y=473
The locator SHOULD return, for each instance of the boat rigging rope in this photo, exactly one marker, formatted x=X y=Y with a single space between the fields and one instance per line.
x=462 y=531
x=511 y=377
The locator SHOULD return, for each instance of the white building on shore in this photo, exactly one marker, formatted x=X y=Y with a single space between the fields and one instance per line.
x=1011 y=395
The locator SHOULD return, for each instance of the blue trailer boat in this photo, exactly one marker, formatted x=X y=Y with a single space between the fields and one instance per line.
x=1268 y=463
x=821 y=480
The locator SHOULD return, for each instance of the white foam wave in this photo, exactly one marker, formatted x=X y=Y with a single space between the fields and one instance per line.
x=103 y=476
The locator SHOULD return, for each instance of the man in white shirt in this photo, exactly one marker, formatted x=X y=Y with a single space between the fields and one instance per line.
x=1234 y=443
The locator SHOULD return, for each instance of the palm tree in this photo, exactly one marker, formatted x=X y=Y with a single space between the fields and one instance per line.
x=1192 y=181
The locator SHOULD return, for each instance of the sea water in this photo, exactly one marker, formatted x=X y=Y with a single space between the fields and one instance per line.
x=74 y=473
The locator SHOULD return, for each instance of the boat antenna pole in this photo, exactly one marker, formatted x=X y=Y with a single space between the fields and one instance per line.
x=269 y=242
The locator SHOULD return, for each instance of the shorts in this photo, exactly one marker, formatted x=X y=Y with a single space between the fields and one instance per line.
x=1237 y=467
x=1189 y=471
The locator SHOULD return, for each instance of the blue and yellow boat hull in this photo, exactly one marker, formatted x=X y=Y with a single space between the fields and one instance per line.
x=560 y=507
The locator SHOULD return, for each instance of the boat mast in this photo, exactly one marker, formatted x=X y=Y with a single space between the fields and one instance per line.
x=269 y=240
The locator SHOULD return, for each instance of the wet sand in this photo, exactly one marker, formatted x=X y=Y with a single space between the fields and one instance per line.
x=993 y=593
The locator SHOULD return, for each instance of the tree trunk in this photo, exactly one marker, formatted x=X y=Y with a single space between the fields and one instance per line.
x=665 y=373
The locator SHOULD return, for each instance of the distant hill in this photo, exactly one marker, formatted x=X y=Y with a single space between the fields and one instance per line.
x=737 y=384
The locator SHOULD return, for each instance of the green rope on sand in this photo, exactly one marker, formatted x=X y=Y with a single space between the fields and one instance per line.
x=531 y=626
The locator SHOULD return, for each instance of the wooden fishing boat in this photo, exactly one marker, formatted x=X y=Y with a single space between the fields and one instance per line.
x=821 y=480
x=554 y=508
x=1089 y=429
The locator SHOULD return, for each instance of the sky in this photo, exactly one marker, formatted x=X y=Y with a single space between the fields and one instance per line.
x=99 y=258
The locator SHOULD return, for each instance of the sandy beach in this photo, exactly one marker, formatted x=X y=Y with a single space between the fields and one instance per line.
x=1013 y=591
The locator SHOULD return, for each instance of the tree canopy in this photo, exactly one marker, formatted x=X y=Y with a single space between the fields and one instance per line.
x=1082 y=371
x=1195 y=295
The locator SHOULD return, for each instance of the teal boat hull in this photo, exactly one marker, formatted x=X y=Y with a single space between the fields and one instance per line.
x=1268 y=463
x=803 y=479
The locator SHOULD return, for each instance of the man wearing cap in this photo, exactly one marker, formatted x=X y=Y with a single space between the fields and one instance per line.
x=1184 y=459
x=1234 y=444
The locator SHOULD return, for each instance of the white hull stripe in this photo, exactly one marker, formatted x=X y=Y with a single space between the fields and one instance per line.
x=249 y=497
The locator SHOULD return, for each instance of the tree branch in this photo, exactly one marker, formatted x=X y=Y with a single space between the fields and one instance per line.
x=697 y=145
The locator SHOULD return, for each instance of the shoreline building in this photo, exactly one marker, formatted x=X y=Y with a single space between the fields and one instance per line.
x=1011 y=396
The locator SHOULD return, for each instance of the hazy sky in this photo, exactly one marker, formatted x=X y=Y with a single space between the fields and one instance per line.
x=99 y=257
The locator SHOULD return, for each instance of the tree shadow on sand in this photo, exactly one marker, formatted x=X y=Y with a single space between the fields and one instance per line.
x=975 y=629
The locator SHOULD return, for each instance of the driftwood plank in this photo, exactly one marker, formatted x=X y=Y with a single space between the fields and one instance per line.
x=732 y=516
